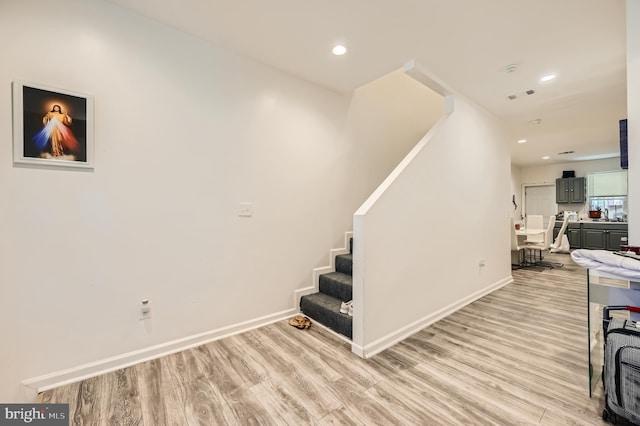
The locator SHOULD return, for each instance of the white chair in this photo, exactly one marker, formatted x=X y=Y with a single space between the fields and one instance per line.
x=558 y=242
x=515 y=247
x=535 y=221
x=545 y=244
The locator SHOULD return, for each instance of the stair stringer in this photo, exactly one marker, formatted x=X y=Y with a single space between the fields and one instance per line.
x=315 y=275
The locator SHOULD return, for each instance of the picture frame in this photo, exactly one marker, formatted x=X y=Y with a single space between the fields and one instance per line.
x=52 y=128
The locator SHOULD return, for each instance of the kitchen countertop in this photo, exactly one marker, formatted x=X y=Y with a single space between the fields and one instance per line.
x=598 y=221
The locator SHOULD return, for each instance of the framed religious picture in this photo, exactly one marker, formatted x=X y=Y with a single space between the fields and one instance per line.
x=52 y=127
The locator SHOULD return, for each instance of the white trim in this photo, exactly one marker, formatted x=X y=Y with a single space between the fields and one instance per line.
x=315 y=274
x=334 y=333
x=31 y=387
x=395 y=173
x=419 y=73
x=391 y=339
x=358 y=350
x=523 y=201
x=357 y=288
x=297 y=294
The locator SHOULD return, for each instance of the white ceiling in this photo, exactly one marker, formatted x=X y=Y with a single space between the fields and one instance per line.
x=465 y=43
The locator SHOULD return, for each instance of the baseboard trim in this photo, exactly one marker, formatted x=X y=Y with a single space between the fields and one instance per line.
x=358 y=350
x=297 y=294
x=315 y=274
x=330 y=331
x=31 y=387
x=391 y=339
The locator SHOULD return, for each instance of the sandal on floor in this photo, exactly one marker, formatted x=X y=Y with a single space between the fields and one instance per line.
x=300 y=322
x=307 y=322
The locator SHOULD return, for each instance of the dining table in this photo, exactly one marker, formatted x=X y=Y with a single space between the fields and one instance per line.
x=524 y=232
x=522 y=235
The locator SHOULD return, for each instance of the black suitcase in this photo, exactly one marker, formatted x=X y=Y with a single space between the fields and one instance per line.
x=621 y=367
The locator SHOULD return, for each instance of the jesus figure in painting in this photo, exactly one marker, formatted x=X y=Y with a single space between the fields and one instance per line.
x=56 y=131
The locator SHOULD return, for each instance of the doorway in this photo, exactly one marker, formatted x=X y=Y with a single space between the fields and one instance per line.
x=540 y=199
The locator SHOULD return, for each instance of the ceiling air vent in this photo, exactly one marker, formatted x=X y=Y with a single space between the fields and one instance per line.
x=521 y=94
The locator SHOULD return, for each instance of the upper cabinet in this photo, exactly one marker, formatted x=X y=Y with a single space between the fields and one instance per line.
x=570 y=190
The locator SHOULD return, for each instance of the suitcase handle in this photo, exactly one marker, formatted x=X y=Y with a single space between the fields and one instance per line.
x=607 y=309
x=606 y=316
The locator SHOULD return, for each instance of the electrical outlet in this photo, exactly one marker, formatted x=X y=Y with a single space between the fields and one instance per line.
x=145 y=309
x=246 y=210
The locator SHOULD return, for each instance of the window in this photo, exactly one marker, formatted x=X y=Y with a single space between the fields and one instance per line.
x=607 y=191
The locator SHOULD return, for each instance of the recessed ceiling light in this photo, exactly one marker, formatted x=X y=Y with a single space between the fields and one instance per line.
x=546 y=157
x=522 y=141
x=547 y=77
x=339 y=50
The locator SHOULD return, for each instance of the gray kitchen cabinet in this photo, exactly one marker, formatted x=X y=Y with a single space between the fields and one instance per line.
x=596 y=236
x=570 y=190
x=574 y=233
x=617 y=238
x=594 y=239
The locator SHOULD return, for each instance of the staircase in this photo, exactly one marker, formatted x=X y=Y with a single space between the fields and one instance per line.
x=334 y=288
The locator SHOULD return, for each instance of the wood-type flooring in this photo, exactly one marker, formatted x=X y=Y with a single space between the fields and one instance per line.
x=515 y=357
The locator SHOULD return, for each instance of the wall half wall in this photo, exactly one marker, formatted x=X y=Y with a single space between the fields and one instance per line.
x=633 y=117
x=420 y=250
x=185 y=132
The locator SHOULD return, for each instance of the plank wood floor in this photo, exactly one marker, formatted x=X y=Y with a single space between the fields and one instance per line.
x=515 y=357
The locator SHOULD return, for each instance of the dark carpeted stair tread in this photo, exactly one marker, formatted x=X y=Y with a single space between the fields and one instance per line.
x=338 y=276
x=334 y=288
x=344 y=263
x=337 y=284
x=326 y=310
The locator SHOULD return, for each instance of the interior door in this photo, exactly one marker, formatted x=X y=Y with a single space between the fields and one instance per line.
x=540 y=200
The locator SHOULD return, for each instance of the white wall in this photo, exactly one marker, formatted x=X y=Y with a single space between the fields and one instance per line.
x=633 y=117
x=418 y=242
x=516 y=191
x=548 y=174
x=184 y=132
x=387 y=117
